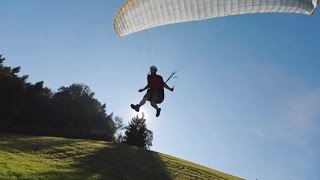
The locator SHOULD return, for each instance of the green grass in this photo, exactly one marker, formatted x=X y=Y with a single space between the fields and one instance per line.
x=34 y=157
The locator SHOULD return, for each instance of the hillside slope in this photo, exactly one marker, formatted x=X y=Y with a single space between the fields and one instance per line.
x=33 y=157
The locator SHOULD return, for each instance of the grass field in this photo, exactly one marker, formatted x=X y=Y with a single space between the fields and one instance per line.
x=34 y=157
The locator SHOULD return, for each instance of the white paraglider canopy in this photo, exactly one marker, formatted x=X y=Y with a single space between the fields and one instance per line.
x=138 y=15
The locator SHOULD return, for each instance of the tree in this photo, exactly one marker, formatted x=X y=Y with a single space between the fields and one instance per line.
x=34 y=109
x=23 y=106
x=118 y=138
x=137 y=133
x=77 y=114
x=12 y=89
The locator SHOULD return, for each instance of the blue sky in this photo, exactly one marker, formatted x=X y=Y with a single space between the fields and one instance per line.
x=248 y=93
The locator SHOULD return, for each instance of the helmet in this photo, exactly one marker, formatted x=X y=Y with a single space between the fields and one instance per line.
x=154 y=67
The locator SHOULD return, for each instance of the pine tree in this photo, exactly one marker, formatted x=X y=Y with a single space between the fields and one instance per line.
x=137 y=133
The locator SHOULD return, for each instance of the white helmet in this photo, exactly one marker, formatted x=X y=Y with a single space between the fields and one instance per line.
x=154 y=67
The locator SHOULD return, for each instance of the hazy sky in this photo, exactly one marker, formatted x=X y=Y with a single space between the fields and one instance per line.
x=247 y=99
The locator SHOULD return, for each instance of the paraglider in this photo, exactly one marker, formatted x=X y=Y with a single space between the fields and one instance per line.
x=138 y=15
x=155 y=93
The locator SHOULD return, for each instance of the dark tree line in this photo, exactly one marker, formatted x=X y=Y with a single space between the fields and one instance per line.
x=34 y=109
x=71 y=112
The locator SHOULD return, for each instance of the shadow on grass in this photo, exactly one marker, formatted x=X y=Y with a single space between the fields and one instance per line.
x=119 y=162
x=123 y=162
x=59 y=158
x=102 y=160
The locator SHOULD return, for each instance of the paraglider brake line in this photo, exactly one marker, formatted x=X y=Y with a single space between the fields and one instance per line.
x=171 y=76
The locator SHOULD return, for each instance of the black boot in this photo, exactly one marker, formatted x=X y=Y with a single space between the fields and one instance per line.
x=135 y=107
x=158 y=112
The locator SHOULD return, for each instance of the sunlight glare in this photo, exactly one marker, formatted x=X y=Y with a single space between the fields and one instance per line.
x=142 y=111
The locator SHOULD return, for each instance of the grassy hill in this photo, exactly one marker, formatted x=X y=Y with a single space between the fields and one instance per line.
x=33 y=157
